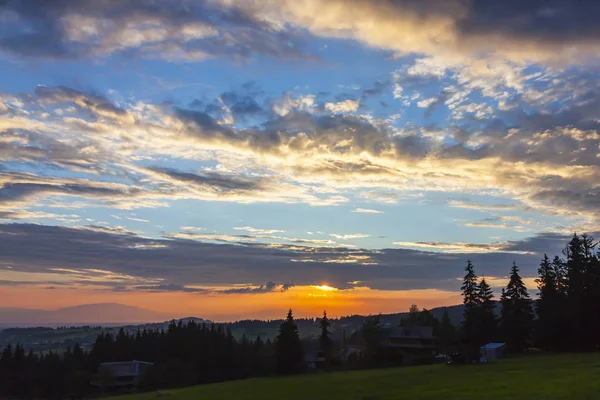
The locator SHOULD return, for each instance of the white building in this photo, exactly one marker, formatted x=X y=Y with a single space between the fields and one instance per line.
x=492 y=351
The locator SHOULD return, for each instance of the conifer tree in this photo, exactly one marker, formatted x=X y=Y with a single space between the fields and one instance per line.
x=488 y=324
x=516 y=316
x=581 y=281
x=470 y=324
x=324 y=338
x=288 y=347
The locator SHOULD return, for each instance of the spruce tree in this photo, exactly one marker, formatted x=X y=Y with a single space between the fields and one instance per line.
x=470 y=324
x=324 y=338
x=549 y=305
x=516 y=316
x=580 y=299
x=288 y=347
x=488 y=323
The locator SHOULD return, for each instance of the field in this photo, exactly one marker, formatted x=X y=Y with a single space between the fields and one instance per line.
x=572 y=376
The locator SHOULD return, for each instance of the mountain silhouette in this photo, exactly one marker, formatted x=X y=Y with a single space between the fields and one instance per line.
x=85 y=314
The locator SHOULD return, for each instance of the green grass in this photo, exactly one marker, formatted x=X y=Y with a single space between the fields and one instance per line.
x=541 y=377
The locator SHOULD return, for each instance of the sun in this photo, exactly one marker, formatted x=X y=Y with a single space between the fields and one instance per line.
x=325 y=288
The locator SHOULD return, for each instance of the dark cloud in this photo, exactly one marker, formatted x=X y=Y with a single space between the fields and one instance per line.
x=17 y=192
x=169 y=287
x=87 y=101
x=246 y=106
x=268 y=287
x=215 y=181
x=188 y=30
x=546 y=21
x=377 y=90
x=200 y=29
x=203 y=124
x=185 y=264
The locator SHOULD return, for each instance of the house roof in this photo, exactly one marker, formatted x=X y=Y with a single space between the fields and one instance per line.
x=493 y=345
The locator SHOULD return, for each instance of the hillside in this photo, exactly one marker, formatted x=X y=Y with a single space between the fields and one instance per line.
x=85 y=314
x=24 y=325
x=549 y=377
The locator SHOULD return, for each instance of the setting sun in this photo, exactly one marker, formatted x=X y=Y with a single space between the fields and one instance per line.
x=325 y=288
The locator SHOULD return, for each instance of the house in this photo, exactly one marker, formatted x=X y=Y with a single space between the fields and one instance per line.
x=352 y=352
x=410 y=344
x=352 y=356
x=120 y=374
x=492 y=351
x=313 y=360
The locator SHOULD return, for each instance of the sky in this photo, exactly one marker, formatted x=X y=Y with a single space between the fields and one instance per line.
x=230 y=159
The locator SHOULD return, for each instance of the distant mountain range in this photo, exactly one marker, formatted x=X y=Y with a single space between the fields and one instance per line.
x=114 y=314
x=86 y=314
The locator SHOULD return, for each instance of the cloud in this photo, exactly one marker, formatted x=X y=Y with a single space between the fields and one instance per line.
x=345 y=106
x=544 y=31
x=172 y=30
x=366 y=211
x=351 y=236
x=543 y=161
x=97 y=105
x=213 y=181
x=485 y=207
x=461 y=247
x=560 y=31
x=106 y=258
x=257 y=231
x=137 y=219
x=169 y=287
x=268 y=287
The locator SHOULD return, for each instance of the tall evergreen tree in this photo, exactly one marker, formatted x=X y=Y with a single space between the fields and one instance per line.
x=470 y=324
x=488 y=324
x=516 y=316
x=325 y=338
x=580 y=278
x=288 y=347
x=550 y=307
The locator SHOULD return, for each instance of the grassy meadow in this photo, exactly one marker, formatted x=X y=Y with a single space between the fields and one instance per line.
x=543 y=377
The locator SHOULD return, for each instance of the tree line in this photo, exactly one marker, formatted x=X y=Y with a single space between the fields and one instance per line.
x=567 y=308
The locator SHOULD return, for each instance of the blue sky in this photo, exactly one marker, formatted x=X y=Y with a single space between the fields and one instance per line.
x=390 y=129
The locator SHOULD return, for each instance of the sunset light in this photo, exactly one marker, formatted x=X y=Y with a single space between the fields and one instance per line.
x=203 y=191
x=233 y=159
x=326 y=288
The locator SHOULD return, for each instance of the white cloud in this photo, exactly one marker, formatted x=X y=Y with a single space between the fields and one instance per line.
x=366 y=211
x=137 y=219
x=256 y=230
x=345 y=106
x=349 y=236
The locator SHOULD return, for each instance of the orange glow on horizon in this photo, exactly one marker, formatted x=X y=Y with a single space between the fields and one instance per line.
x=305 y=301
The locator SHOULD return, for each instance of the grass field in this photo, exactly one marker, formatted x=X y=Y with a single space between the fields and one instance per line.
x=540 y=377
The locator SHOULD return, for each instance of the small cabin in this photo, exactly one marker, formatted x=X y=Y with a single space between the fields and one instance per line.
x=120 y=373
x=493 y=351
x=411 y=343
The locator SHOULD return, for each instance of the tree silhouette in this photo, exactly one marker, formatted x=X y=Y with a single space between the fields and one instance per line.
x=288 y=346
x=471 y=300
x=516 y=316
x=324 y=338
x=488 y=324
